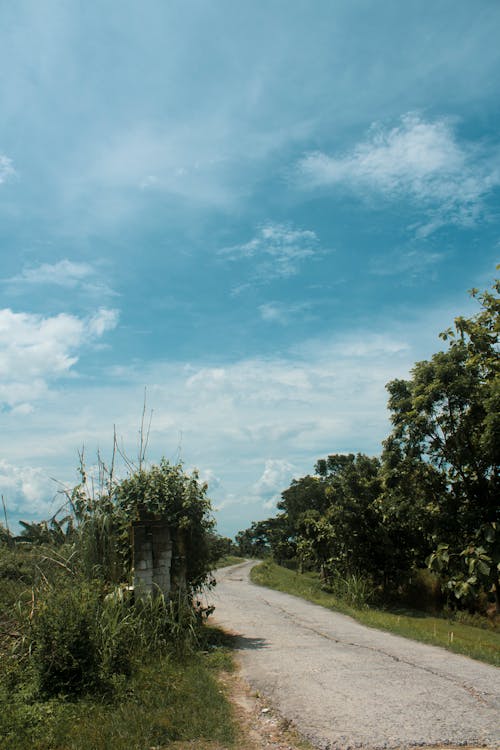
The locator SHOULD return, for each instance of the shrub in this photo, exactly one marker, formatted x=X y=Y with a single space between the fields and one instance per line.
x=355 y=590
x=65 y=653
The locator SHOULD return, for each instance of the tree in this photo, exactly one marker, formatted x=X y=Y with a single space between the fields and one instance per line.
x=304 y=494
x=253 y=542
x=334 y=520
x=352 y=486
x=446 y=421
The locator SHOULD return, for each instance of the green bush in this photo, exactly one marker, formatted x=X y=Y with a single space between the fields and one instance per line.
x=355 y=590
x=85 y=641
x=65 y=652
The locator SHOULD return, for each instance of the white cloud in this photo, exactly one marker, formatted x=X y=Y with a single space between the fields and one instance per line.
x=275 y=478
x=252 y=423
x=421 y=160
x=210 y=478
x=65 y=273
x=276 y=251
x=103 y=320
x=27 y=489
x=35 y=350
x=183 y=160
x=6 y=168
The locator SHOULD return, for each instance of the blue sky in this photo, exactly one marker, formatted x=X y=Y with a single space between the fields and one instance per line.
x=261 y=212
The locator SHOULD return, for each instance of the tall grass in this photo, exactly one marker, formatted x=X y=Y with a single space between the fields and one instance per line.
x=83 y=666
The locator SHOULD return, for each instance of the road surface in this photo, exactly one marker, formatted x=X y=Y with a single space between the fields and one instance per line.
x=347 y=686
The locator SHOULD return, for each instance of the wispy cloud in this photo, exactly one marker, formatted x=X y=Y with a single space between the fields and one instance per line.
x=276 y=252
x=6 y=168
x=65 y=273
x=281 y=313
x=418 y=159
x=408 y=265
x=35 y=350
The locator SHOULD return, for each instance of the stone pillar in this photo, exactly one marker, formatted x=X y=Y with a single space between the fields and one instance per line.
x=152 y=558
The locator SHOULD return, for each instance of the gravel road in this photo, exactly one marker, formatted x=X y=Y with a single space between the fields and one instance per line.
x=344 y=685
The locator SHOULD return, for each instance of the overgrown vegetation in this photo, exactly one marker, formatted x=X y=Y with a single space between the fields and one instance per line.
x=371 y=524
x=84 y=665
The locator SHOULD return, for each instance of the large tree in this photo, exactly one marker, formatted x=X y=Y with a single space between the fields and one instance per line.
x=446 y=432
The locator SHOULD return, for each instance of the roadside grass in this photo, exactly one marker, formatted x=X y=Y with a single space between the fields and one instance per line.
x=171 y=698
x=481 y=643
x=227 y=560
x=164 y=705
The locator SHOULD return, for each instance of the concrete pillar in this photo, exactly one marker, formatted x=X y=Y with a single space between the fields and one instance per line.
x=152 y=556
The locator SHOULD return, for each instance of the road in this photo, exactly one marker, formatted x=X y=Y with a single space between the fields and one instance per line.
x=347 y=686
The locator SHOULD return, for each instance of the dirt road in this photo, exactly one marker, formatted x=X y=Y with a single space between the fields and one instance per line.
x=344 y=685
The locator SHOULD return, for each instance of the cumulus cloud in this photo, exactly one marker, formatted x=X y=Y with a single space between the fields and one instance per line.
x=35 y=350
x=6 y=168
x=252 y=423
x=277 y=251
x=26 y=488
x=418 y=159
x=65 y=273
x=103 y=320
x=210 y=478
x=274 y=479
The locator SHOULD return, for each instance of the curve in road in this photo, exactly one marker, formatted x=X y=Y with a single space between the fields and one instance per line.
x=348 y=686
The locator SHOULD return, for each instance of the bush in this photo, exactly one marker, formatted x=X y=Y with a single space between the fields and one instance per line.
x=84 y=641
x=65 y=653
x=355 y=590
x=423 y=591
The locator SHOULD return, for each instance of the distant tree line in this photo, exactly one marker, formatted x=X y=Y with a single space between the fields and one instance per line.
x=430 y=499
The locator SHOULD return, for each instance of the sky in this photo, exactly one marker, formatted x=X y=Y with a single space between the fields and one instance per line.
x=258 y=213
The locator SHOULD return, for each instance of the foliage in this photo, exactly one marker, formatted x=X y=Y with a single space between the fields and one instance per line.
x=163 y=702
x=65 y=641
x=76 y=646
x=446 y=431
x=5 y=536
x=253 y=542
x=166 y=491
x=219 y=547
x=471 y=570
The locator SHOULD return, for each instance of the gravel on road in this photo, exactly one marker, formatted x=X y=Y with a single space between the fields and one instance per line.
x=344 y=685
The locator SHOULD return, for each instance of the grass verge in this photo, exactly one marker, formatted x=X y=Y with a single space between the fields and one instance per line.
x=477 y=642
x=165 y=704
x=227 y=560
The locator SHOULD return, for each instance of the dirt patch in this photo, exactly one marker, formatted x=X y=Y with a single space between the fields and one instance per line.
x=261 y=725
